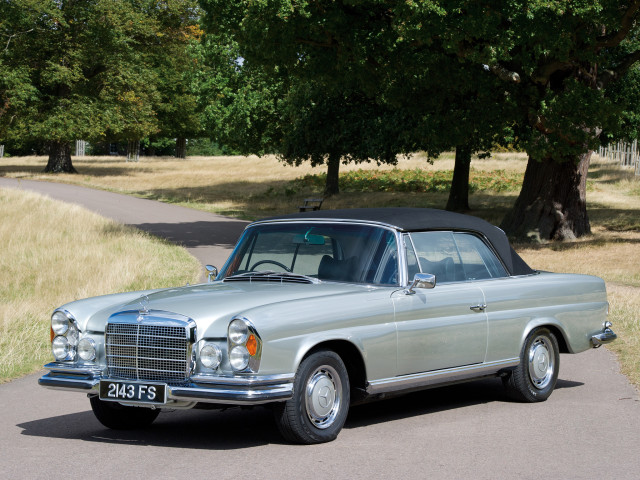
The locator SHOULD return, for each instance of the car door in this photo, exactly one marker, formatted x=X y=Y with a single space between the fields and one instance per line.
x=439 y=328
x=447 y=326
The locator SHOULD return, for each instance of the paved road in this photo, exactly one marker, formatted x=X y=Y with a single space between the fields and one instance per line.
x=589 y=428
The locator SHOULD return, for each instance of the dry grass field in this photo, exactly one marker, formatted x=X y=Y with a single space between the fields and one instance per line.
x=252 y=187
x=244 y=187
x=53 y=253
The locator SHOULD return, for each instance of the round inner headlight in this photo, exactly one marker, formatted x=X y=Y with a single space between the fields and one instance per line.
x=59 y=323
x=238 y=331
x=210 y=355
x=239 y=358
x=73 y=335
x=87 y=349
x=60 y=348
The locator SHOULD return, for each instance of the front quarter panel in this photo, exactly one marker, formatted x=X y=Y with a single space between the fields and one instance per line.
x=289 y=330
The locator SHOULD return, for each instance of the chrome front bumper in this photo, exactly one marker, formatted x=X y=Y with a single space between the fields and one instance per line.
x=607 y=336
x=231 y=390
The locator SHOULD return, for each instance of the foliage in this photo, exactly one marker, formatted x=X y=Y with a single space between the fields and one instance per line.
x=415 y=181
x=88 y=69
x=206 y=147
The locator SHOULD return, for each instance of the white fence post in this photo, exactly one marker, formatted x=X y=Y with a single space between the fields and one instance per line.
x=80 y=148
x=1 y=151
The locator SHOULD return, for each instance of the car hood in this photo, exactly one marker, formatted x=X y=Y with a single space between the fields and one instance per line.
x=213 y=305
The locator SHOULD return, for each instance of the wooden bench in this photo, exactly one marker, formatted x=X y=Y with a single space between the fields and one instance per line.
x=311 y=204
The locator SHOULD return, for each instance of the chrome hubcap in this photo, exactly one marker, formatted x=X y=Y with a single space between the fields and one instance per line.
x=541 y=362
x=323 y=396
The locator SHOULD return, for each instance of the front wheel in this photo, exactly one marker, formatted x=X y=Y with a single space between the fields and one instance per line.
x=120 y=417
x=534 y=379
x=320 y=403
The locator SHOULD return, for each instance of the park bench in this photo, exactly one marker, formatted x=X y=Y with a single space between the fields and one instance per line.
x=311 y=204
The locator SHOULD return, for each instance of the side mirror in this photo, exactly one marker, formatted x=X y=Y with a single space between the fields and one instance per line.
x=422 y=280
x=213 y=273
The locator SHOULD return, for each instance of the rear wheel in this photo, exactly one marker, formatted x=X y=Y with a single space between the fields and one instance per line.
x=320 y=402
x=120 y=417
x=536 y=376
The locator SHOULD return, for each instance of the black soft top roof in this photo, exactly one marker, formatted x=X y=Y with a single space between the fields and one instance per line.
x=419 y=219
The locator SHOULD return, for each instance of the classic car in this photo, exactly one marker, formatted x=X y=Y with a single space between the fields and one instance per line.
x=316 y=311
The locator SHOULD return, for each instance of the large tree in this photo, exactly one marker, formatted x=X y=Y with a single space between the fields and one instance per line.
x=259 y=107
x=88 y=64
x=554 y=61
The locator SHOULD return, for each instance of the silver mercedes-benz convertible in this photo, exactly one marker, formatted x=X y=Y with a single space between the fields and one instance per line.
x=315 y=311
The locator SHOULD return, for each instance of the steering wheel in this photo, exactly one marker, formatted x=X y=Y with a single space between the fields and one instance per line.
x=261 y=262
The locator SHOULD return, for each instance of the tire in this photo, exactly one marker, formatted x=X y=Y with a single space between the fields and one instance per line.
x=321 y=394
x=534 y=379
x=119 y=417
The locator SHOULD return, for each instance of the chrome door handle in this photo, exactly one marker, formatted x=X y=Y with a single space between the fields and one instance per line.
x=479 y=308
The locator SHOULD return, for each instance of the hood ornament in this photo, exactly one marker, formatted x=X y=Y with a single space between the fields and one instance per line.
x=144 y=307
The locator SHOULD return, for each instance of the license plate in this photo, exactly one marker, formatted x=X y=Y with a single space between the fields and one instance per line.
x=117 y=391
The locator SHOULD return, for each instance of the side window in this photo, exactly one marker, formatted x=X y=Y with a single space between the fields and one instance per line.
x=478 y=261
x=438 y=255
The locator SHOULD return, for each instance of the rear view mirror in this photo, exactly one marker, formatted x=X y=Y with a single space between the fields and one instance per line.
x=308 y=239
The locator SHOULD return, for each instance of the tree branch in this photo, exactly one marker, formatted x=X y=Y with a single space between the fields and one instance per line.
x=626 y=24
x=504 y=74
x=15 y=35
x=611 y=75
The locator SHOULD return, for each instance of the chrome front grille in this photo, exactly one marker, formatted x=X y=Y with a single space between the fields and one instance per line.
x=139 y=351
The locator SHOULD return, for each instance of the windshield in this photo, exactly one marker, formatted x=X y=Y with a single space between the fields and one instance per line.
x=326 y=251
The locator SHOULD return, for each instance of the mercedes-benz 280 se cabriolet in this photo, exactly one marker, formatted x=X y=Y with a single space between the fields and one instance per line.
x=315 y=311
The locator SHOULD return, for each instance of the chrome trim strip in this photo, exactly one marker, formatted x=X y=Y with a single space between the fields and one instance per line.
x=372 y=223
x=76 y=370
x=232 y=396
x=243 y=381
x=424 y=379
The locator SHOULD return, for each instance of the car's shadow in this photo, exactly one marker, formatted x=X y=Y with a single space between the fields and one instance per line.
x=237 y=428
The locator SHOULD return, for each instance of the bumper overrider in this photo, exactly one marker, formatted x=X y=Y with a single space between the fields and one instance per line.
x=232 y=390
x=606 y=336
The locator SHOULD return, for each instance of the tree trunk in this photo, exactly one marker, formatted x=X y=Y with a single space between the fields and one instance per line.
x=332 y=186
x=59 y=158
x=552 y=202
x=181 y=147
x=459 y=193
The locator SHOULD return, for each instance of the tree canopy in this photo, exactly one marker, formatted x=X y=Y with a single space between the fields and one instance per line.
x=543 y=69
x=86 y=69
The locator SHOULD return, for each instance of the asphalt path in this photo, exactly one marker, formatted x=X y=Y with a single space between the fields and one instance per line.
x=589 y=427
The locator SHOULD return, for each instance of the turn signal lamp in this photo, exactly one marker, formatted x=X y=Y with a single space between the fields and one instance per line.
x=252 y=345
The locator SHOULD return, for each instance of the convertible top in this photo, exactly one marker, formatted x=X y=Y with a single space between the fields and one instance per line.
x=420 y=219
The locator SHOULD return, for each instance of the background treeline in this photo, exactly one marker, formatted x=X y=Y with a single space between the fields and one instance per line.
x=330 y=82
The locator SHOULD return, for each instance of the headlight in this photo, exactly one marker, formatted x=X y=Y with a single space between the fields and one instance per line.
x=210 y=355
x=73 y=335
x=238 y=331
x=60 y=348
x=87 y=349
x=245 y=345
x=64 y=336
x=239 y=358
x=59 y=323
